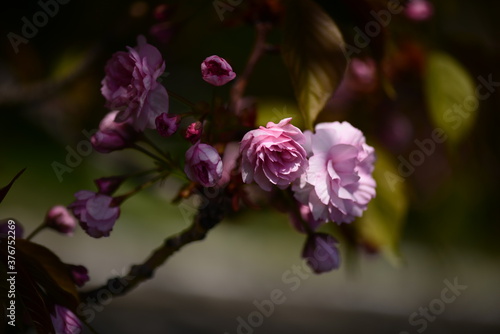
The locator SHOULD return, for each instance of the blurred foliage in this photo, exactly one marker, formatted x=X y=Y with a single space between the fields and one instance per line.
x=451 y=96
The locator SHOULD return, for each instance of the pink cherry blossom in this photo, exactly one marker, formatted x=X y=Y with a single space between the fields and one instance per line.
x=203 y=164
x=95 y=211
x=65 y=321
x=338 y=184
x=217 y=71
x=273 y=155
x=131 y=85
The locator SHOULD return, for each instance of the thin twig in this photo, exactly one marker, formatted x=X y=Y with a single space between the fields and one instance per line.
x=258 y=51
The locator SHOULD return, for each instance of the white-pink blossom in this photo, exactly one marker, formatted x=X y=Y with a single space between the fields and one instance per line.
x=338 y=184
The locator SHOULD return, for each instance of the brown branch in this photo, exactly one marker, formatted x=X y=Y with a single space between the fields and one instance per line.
x=259 y=49
x=208 y=216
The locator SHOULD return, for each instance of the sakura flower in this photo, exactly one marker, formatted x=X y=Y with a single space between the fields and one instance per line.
x=95 y=212
x=338 y=185
x=131 y=85
x=273 y=155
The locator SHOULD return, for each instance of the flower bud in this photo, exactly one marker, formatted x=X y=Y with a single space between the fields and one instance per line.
x=217 y=71
x=167 y=125
x=79 y=274
x=59 y=219
x=193 y=132
x=321 y=253
x=419 y=10
x=108 y=185
x=203 y=164
x=113 y=135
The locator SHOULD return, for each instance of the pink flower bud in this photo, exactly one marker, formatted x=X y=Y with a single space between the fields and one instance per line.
x=217 y=71
x=59 y=219
x=203 y=164
x=321 y=253
x=95 y=212
x=79 y=274
x=108 y=185
x=113 y=135
x=64 y=321
x=167 y=125
x=419 y=10
x=193 y=132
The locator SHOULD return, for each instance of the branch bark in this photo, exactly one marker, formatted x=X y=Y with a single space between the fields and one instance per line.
x=208 y=217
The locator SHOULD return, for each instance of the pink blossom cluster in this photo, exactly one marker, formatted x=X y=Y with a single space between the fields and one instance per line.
x=330 y=170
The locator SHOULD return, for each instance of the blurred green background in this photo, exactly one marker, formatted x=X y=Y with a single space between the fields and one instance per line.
x=449 y=223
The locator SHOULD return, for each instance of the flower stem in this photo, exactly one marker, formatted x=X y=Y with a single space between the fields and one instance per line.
x=259 y=49
x=181 y=99
x=295 y=209
x=167 y=158
x=36 y=231
x=151 y=155
x=120 y=199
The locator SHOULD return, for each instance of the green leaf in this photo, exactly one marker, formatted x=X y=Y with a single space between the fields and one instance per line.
x=313 y=52
x=450 y=94
x=381 y=225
